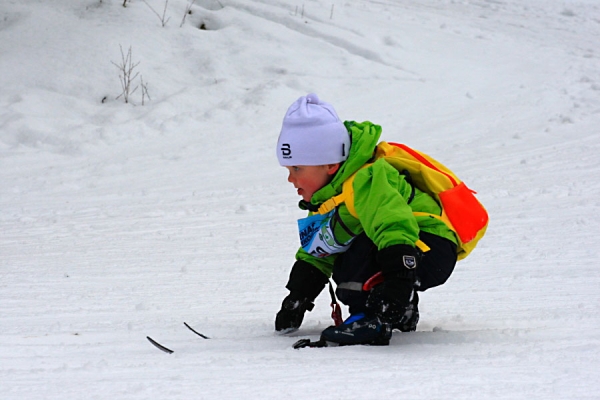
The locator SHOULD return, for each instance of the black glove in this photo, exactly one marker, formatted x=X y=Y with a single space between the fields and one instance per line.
x=290 y=317
x=389 y=299
x=305 y=284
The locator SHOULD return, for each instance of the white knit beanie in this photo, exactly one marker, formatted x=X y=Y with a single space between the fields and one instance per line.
x=312 y=134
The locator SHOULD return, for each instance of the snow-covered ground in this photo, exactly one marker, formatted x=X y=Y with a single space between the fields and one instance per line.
x=120 y=221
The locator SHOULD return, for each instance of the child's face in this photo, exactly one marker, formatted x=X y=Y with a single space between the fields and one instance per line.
x=308 y=179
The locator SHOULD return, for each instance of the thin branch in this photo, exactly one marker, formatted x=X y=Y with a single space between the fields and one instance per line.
x=163 y=21
x=188 y=10
x=144 y=90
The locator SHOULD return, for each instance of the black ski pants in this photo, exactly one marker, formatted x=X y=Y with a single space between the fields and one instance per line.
x=354 y=267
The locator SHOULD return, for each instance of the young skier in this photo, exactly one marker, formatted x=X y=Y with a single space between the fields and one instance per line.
x=321 y=153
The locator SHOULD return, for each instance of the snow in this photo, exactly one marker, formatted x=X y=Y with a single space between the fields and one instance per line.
x=125 y=220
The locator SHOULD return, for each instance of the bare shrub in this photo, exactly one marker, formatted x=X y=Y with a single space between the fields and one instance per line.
x=126 y=74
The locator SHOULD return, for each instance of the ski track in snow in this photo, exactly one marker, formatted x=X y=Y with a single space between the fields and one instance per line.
x=121 y=221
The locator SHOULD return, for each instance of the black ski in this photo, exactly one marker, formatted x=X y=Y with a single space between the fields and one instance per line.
x=302 y=343
x=196 y=332
x=159 y=346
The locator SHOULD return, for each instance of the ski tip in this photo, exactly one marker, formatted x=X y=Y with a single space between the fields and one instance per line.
x=159 y=346
x=195 y=331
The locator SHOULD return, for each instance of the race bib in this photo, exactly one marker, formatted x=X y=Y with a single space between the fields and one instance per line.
x=316 y=236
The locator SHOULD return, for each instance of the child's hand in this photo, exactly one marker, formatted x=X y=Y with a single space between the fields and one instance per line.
x=290 y=317
x=389 y=300
x=305 y=284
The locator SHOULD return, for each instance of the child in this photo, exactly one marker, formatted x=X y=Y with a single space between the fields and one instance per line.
x=320 y=153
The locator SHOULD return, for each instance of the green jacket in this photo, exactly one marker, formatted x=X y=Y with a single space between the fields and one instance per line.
x=380 y=200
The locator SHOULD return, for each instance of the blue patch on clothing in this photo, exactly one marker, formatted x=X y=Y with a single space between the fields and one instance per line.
x=354 y=318
x=317 y=238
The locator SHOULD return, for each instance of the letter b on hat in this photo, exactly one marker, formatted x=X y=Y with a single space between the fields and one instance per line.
x=286 y=151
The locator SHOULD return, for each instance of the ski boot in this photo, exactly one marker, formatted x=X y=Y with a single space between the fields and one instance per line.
x=358 y=329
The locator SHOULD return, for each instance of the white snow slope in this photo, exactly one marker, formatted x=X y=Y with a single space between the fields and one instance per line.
x=120 y=220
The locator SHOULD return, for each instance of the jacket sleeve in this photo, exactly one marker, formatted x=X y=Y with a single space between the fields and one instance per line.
x=325 y=264
x=380 y=194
